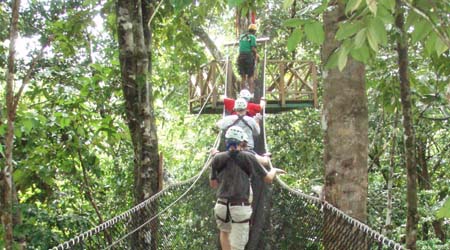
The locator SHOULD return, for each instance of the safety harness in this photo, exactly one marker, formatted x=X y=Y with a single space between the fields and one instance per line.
x=240 y=118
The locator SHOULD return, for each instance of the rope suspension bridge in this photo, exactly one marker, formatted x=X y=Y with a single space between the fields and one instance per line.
x=181 y=215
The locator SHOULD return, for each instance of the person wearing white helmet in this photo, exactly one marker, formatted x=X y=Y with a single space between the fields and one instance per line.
x=252 y=108
x=247 y=123
x=231 y=172
x=247 y=57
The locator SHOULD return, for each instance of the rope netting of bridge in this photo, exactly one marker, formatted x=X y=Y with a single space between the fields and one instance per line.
x=181 y=217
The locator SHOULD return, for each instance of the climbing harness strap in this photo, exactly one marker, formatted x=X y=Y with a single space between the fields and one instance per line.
x=240 y=118
x=228 y=215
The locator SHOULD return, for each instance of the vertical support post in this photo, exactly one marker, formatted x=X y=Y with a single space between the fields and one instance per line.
x=281 y=88
x=230 y=86
x=314 y=79
x=190 y=94
x=213 y=84
x=160 y=172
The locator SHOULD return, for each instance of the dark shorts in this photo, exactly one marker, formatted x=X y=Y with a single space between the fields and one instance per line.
x=246 y=64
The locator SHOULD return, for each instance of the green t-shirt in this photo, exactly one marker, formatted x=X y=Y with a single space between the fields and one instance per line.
x=246 y=42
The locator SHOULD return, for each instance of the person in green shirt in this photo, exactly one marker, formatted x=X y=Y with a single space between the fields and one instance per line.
x=247 y=57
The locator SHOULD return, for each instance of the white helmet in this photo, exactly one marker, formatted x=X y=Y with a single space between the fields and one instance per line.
x=246 y=95
x=235 y=133
x=240 y=104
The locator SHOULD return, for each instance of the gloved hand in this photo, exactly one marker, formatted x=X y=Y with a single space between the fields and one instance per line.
x=258 y=117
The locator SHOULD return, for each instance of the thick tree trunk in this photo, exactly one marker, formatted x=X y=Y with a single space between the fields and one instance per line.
x=345 y=123
x=134 y=45
x=405 y=94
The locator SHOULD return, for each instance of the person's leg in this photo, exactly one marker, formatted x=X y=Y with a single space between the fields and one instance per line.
x=251 y=84
x=243 y=82
x=225 y=240
x=240 y=227
x=220 y=211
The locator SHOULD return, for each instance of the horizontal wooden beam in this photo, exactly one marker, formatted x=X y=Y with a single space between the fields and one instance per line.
x=258 y=40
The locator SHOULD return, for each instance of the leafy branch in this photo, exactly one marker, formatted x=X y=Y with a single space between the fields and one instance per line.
x=442 y=35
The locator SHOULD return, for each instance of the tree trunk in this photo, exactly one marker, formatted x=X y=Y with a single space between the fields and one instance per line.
x=215 y=52
x=7 y=181
x=345 y=123
x=134 y=45
x=390 y=179
x=425 y=184
x=405 y=94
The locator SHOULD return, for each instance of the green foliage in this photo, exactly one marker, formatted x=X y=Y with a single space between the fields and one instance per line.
x=72 y=114
x=444 y=211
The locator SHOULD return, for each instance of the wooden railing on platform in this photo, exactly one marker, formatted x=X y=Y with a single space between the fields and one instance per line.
x=290 y=80
x=287 y=81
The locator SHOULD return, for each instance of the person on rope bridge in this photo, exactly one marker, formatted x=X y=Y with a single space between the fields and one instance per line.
x=247 y=57
x=252 y=108
x=247 y=123
x=231 y=172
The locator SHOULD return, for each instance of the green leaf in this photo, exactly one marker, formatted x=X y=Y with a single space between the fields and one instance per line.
x=287 y=4
x=386 y=16
x=321 y=8
x=348 y=29
x=373 y=42
x=343 y=55
x=372 y=6
x=342 y=59
x=27 y=125
x=421 y=29
x=332 y=61
x=360 y=38
x=444 y=211
x=352 y=5
x=235 y=3
x=314 y=32
x=377 y=31
x=430 y=44
x=294 y=39
x=411 y=19
x=361 y=54
x=440 y=46
x=389 y=4
x=294 y=22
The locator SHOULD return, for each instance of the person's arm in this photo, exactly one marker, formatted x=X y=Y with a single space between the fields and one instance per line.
x=256 y=129
x=253 y=46
x=253 y=109
x=213 y=183
x=223 y=123
x=229 y=104
x=262 y=103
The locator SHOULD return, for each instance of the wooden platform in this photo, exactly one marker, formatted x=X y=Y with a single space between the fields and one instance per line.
x=289 y=85
x=272 y=107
